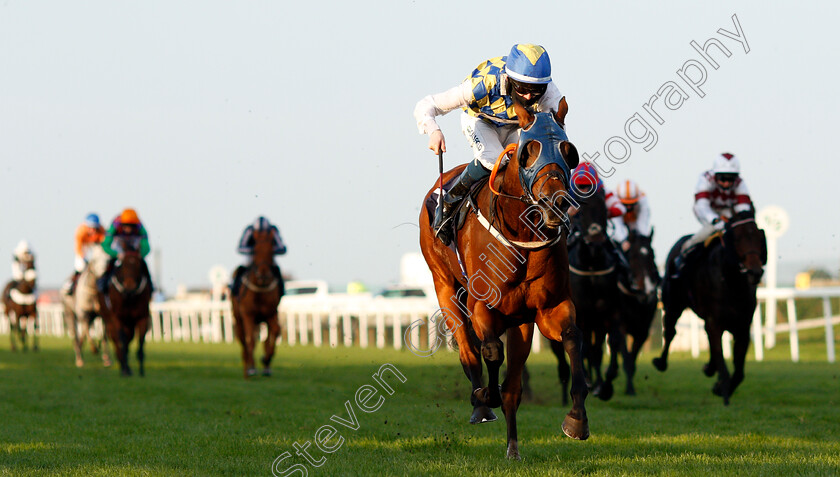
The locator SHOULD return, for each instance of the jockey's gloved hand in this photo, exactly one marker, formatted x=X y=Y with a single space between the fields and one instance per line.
x=436 y=141
x=718 y=224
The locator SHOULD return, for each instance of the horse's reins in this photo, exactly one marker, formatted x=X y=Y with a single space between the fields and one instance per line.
x=135 y=291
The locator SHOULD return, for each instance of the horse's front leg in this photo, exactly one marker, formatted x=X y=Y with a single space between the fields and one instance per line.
x=142 y=327
x=77 y=340
x=721 y=387
x=126 y=335
x=13 y=327
x=562 y=368
x=488 y=328
x=617 y=344
x=558 y=324
x=739 y=355
x=36 y=330
x=270 y=343
x=519 y=346
x=106 y=355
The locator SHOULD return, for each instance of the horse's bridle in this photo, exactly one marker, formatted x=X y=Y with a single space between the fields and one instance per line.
x=542 y=131
x=122 y=289
x=742 y=258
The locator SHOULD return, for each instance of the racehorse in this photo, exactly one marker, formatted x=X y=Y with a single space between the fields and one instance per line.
x=594 y=281
x=719 y=283
x=81 y=308
x=515 y=271
x=126 y=300
x=638 y=304
x=19 y=304
x=257 y=302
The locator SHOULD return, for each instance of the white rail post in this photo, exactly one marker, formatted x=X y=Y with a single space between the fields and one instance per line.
x=317 y=339
x=757 y=335
x=227 y=322
x=414 y=337
x=726 y=344
x=347 y=321
x=794 y=331
x=363 y=329
x=770 y=319
x=398 y=337
x=829 y=329
x=290 y=328
x=303 y=327
x=380 y=330
x=333 y=329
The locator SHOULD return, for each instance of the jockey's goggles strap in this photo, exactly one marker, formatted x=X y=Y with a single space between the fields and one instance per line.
x=510 y=149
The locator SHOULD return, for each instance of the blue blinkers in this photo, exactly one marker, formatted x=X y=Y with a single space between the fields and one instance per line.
x=549 y=134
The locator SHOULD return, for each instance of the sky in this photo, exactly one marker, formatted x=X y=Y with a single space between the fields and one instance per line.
x=203 y=115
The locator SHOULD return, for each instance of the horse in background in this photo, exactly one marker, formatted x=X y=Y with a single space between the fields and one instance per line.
x=257 y=302
x=82 y=308
x=507 y=270
x=638 y=305
x=718 y=282
x=126 y=305
x=19 y=304
x=594 y=282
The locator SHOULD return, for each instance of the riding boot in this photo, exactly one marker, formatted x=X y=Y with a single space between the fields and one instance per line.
x=680 y=260
x=102 y=282
x=73 y=282
x=473 y=173
x=275 y=270
x=237 y=280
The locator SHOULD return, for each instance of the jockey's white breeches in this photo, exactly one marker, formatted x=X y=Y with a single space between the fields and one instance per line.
x=487 y=140
x=79 y=263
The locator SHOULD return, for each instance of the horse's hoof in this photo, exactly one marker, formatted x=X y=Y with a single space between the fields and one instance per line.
x=489 y=398
x=708 y=370
x=605 y=392
x=126 y=373
x=106 y=363
x=513 y=451
x=660 y=364
x=79 y=363
x=630 y=391
x=266 y=372
x=251 y=372
x=482 y=414
x=576 y=428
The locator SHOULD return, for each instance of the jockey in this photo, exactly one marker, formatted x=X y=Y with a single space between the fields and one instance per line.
x=489 y=122
x=246 y=247
x=584 y=178
x=720 y=194
x=22 y=253
x=88 y=235
x=126 y=232
x=636 y=217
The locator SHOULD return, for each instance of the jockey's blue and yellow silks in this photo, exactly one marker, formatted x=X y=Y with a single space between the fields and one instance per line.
x=529 y=64
x=488 y=102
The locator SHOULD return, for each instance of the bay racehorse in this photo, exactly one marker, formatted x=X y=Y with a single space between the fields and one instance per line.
x=19 y=304
x=81 y=308
x=257 y=302
x=719 y=283
x=514 y=272
x=594 y=281
x=127 y=297
x=638 y=304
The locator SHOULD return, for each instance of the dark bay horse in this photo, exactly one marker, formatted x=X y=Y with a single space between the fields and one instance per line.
x=594 y=282
x=515 y=272
x=81 y=309
x=719 y=283
x=257 y=302
x=638 y=305
x=127 y=298
x=19 y=304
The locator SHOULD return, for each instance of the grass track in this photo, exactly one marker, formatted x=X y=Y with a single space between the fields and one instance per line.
x=194 y=415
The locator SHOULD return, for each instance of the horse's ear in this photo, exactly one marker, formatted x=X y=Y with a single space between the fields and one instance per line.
x=570 y=154
x=525 y=117
x=562 y=110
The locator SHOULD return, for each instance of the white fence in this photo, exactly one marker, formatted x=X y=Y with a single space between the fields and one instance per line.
x=364 y=321
x=690 y=333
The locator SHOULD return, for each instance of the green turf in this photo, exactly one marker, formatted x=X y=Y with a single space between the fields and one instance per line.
x=193 y=414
